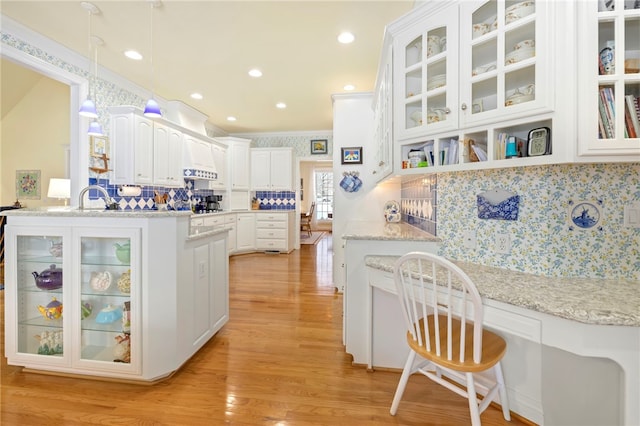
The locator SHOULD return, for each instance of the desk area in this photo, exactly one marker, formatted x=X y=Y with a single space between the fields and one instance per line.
x=548 y=323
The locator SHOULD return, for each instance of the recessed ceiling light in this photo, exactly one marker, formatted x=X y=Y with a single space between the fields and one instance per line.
x=349 y=87
x=281 y=105
x=231 y=118
x=196 y=96
x=346 y=37
x=132 y=54
x=255 y=73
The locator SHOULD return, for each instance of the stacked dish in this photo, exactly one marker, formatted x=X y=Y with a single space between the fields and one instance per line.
x=518 y=11
x=436 y=81
x=518 y=55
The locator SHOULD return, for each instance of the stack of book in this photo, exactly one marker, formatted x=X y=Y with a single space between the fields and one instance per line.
x=607 y=115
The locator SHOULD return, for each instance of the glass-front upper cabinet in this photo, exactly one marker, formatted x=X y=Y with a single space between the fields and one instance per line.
x=505 y=52
x=611 y=63
x=426 y=74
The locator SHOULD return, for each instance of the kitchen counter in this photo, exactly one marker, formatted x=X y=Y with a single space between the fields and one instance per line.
x=381 y=231
x=587 y=300
x=75 y=212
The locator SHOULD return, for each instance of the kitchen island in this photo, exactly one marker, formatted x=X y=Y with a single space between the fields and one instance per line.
x=568 y=339
x=141 y=294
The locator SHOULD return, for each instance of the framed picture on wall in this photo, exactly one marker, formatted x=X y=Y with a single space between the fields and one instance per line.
x=352 y=155
x=319 y=146
x=99 y=146
x=28 y=184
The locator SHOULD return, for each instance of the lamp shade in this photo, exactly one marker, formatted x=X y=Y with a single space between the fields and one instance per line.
x=88 y=109
x=59 y=188
x=95 y=129
x=152 y=109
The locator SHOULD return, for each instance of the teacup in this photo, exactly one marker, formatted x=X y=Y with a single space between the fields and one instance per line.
x=524 y=44
x=435 y=115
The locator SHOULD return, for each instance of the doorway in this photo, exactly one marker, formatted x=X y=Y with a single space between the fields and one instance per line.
x=316 y=185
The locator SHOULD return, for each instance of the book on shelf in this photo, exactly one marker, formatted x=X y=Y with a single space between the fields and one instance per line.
x=607 y=112
x=428 y=153
x=453 y=152
x=632 y=116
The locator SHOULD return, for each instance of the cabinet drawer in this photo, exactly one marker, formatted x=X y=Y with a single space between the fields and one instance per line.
x=230 y=218
x=271 y=225
x=271 y=217
x=197 y=222
x=213 y=221
x=271 y=233
x=270 y=244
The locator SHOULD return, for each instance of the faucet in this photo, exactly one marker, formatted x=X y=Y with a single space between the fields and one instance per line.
x=110 y=204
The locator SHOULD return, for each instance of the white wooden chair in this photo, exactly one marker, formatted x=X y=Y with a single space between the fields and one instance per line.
x=443 y=313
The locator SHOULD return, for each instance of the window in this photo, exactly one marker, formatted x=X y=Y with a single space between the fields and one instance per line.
x=323 y=179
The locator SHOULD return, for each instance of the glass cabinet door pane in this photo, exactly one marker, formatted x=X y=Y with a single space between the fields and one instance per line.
x=39 y=294
x=105 y=299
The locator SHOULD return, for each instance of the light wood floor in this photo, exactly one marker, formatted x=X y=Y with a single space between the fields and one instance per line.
x=279 y=361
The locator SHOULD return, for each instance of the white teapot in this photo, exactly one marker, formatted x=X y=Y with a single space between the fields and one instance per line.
x=100 y=281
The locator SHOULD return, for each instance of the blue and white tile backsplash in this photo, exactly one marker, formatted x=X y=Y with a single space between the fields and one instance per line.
x=542 y=239
x=276 y=200
x=419 y=202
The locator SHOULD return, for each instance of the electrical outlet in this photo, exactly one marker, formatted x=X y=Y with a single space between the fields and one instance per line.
x=470 y=239
x=502 y=243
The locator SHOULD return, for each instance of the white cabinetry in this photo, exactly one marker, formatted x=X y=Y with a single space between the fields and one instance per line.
x=272 y=169
x=144 y=151
x=383 y=115
x=274 y=231
x=220 y=161
x=111 y=301
x=167 y=156
x=131 y=148
x=466 y=77
x=238 y=162
x=230 y=221
x=206 y=299
x=100 y=311
x=246 y=232
x=607 y=91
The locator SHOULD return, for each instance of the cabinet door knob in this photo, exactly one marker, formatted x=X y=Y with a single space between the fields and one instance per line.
x=463 y=106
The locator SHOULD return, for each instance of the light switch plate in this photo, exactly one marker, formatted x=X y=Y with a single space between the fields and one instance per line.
x=469 y=239
x=632 y=216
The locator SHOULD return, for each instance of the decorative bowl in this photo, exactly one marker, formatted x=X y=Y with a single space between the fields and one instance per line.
x=123 y=252
x=109 y=314
x=518 y=11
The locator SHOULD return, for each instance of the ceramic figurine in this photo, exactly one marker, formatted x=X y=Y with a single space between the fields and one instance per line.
x=122 y=350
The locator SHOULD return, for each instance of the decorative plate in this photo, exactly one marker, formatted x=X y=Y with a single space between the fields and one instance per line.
x=584 y=214
x=392 y=211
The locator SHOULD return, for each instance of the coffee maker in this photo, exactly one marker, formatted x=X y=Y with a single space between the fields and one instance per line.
x=214 y=203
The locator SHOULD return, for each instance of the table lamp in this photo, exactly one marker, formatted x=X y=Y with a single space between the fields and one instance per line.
x=60 y=189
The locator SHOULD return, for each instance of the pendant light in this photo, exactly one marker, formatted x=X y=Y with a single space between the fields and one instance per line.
x=152 y=109
x=88 y=107
x=95 y=128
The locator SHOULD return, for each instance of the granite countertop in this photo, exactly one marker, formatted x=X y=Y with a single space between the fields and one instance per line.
x=382 y=231
x=75 y=212
x=587 y=300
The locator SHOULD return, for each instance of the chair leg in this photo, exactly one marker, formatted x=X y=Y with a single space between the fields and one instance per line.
x=502 y=389
x=473 y=401
x=404 y=378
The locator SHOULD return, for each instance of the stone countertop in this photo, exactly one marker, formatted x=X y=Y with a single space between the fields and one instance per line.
x=75 y=212
x=200 y=232
x=382 y=231
x=587 y=300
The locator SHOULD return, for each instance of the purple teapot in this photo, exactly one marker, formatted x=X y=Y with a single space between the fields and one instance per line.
x=49 y=279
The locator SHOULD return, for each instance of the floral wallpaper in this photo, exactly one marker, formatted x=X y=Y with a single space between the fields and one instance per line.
x=544 y=240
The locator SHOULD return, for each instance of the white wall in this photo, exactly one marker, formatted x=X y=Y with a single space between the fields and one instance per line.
x=353 y=127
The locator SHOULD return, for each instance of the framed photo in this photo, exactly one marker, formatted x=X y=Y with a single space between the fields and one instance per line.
x=28 y=184
x=99 y=146
x=352 y=155
x=319 y=146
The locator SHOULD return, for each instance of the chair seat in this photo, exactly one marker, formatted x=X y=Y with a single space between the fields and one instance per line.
x=493 y=346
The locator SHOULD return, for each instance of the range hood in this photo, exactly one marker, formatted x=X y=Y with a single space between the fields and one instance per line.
x=197 y=160
x=197 y=156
